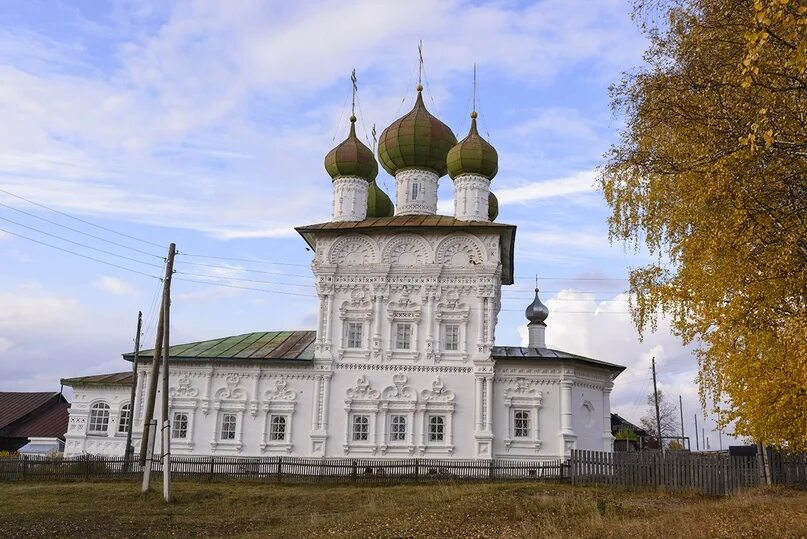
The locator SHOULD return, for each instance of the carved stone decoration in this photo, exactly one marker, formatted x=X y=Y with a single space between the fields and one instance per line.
x=183 y=388
x=461 y=250
x=407 y=250
x=280 y=392
x=399 y=390
x=362 y=391
x=524 y=388
x=232 y=391
x=353 y=251
x=438 y=392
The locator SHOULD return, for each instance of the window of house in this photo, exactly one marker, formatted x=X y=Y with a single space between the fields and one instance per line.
x=125 y=418
x=521 y=424
x=398 y=428
x=361 y=428
x=277 y=428
x=228 y=422
x=403 y=336
x=415 y=190
x=437 y=424
x=99 y=418
x=354 y=334
x=179 y=427
x=452 y=340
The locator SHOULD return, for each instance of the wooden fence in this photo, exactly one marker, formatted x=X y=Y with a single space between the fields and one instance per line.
x=284 y=469
x=716 y=474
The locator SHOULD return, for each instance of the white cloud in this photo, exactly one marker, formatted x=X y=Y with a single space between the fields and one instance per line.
x=113 y=285
x=578 y=183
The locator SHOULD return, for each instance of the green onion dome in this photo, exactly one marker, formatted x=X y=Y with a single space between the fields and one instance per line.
x=416 y=140
x=493 y=207
x=378 y=203
x=473 y=155
x=351 y=158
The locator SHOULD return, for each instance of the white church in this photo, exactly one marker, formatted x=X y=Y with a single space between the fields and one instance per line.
x=403 y=361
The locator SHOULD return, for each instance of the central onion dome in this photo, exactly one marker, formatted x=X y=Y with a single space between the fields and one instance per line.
x=351 y=158
x=416 y=140
x=473 y=155
x=378 y=203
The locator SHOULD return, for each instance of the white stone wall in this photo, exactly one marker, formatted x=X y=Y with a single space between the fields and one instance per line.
x=471 y=201
x=416 y=192
x=350 y=198
x=112 y=442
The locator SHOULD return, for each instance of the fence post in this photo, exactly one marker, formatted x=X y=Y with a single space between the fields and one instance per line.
x=87 y=467
x=417 y=470
x=492 y=470
x=24 y=466
x=279 y=469
x=212 y=465
x=354 y=471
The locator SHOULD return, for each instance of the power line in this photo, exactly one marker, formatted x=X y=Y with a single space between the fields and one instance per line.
x=252 y=260
x=239 y=268
x=79 y=243
x=246 y=288
x=81 y=220
x=77 y=254
x=80 y=231
x=229 y=278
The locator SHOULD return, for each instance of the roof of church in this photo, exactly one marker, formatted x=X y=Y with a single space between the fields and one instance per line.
x=114 y=379
x=265 y=345
x=422 y=222
x=538 y=354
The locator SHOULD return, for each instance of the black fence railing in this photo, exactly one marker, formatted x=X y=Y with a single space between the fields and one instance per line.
x=283 y=469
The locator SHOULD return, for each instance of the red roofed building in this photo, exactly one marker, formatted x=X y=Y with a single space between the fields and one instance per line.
x=32 y=417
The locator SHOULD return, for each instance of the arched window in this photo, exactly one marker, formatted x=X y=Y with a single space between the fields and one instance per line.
x=99 y=418
x=125 y=418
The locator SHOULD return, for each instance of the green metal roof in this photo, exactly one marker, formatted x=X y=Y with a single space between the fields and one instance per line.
x=261 y=345
x=113 y=379
x=351 y=158
x=539 y=354
x=473 y=155
x=378 y=203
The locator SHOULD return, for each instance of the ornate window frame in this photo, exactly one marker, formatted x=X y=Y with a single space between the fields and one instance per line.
x=183 y=397
x=279 y=400
x=403 y=310
x=398 y=399
x=229 y=400
x=177 y=440
x=524 y=395
x=450 y=311
x=358 y=309
x=119 y=420
x=361 y=399
x=436 y=401
x=90 y=418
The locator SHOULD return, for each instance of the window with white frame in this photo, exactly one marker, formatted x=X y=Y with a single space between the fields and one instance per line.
x=179 y=427
x=403 y=336
x=437 y=425
x=361 y=428
x=99 y=418
x=277 y=428
x=521 y=423
x=228 y=423
x=125 y=418
x=452 y=337
x=354 y=335
x=398 y=428
x=415 y=190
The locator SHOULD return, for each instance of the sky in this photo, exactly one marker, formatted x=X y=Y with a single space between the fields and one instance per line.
x=206 y=124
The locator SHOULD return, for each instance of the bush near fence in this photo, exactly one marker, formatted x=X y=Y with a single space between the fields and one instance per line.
x=283 y=469
x=715 y=474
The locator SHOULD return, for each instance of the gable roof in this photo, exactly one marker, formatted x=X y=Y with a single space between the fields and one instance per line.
x=50 y=423
x=113 y=379
x=261 y=345
x=413 y=223
x=547 y=354
x=16 y=405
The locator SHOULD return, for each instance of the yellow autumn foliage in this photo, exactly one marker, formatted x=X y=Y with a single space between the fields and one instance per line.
x=710 y=175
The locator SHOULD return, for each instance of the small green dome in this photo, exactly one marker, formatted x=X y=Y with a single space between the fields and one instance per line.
x=378 y=203
x=473 y=155
x=417 y=140
x=351 y=158
x=493 y=207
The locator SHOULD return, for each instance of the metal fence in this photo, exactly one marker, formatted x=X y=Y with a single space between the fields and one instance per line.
x=284 y=469
x=716 y=474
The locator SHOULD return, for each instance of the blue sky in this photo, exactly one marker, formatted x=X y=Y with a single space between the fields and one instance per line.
x=205 y=123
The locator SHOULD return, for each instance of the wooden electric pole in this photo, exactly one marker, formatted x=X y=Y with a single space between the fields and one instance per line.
x=658 y=414
x=697 y=443
x=681 y=410
x=166 y=432
x=127 y=455
x=149 y=423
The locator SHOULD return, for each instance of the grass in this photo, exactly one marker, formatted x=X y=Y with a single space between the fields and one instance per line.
x=506 y=510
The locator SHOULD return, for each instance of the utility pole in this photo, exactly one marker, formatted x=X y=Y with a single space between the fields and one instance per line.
x=658 y=414
x=149 y=423
x=127 y=456
x=697 y=443
x=166 y=445
x=703 y=438
x=681 y=410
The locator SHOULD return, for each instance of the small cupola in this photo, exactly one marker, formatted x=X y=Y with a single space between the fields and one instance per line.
x=537 y=314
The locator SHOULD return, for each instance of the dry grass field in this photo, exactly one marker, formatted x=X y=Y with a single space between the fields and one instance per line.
x=503 y=510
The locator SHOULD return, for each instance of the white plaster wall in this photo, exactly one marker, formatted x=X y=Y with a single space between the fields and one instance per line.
x=77 y=441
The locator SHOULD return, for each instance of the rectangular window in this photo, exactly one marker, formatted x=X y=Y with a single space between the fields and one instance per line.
x=521 y=424
x=437 y=424
x=452 y=337
x=228 y=422
x=179 y=428
x=354 y=331
x=125 y=418
x=398 y=428
x=403 y=336
x=277 y=428
x=361 y=428
x=415 y=190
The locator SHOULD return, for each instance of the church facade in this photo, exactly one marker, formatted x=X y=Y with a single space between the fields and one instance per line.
x=403 y=361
